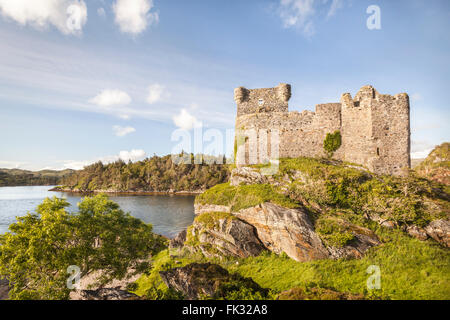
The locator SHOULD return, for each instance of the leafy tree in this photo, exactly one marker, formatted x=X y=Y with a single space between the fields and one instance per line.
x=40 y=246
x=332 y=142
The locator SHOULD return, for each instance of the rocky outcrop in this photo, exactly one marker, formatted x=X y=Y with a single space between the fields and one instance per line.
x=202 y=208
x=246 y=175
x=363 y=240
x=113 y=290
x=285 y=230
x=106 y=294
x=199 y=280
x=439 y=230
x=291 y=231
x=178 y=241
x=417 y=232
x=227 y=236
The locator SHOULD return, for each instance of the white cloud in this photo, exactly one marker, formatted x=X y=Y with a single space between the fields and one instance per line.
x=132 y=155
x=12 y=164
x=420 y=154
x=420 y=149
x=133 y=16
x=68 y=16
x=101 y=12
x=123 y=131
x=110 y=97
x=186 y=121
x=156 y=93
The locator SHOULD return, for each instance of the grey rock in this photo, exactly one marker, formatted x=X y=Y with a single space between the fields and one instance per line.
x=246 y=175
x=198 y=280
x=285 y=230
x=230 y=237
x=178 y=241
x=439 y=230
x=417 y=232
x=106 y=294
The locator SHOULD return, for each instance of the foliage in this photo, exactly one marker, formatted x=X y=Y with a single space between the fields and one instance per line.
x=333 y=232
x=332 y=184
x=235 y=287
x=410 y=269
x=244 y=196
x=210 y=219
x=40 y=246
x=155 y=174
x=437 y=165
x=332 y=142
x=18 y=177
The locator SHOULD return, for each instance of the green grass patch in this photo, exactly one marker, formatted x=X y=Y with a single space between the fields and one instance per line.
x=244 y=196
x=410 y=269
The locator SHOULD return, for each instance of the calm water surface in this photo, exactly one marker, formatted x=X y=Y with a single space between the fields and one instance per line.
x=168 y=214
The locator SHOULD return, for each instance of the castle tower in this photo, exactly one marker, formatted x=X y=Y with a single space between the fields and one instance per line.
x=376 y=130
x=262 y=100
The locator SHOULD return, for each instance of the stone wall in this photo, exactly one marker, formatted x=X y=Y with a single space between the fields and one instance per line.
x=374 y=127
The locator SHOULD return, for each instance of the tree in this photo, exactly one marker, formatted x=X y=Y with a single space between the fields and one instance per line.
x=332 y=142
x=40 y=246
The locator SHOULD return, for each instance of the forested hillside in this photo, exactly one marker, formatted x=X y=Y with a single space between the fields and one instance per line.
x=155 y=174
x=18 y=177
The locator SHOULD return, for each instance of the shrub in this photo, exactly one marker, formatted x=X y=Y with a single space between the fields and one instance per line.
x=332 y=142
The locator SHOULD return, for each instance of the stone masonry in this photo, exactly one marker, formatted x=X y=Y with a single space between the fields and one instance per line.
x=375 y=128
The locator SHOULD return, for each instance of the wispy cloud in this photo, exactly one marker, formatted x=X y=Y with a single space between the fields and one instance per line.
x=63 y=76
x=300 y=14
x=122 y=131
x=156 y=93
x=133 y=16
x=68 y=16
x=334 y=7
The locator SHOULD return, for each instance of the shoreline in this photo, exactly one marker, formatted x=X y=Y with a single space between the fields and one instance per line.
x=137 y=193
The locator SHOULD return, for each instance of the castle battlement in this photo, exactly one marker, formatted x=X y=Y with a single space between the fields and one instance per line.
x=375 y=128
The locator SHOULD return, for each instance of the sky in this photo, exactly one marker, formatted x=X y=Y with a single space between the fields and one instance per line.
x=89 y=80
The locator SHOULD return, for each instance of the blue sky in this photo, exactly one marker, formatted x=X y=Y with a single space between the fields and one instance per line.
x=131 y=72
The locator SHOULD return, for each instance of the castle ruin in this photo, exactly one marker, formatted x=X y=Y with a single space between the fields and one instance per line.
x=374 y=127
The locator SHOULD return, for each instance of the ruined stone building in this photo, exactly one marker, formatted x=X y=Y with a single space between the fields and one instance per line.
x=374 y=127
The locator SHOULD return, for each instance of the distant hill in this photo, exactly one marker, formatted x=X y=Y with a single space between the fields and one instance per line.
x=19 y=177
x=437 y=165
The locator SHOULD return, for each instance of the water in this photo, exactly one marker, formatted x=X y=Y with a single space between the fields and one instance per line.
x=168 y=214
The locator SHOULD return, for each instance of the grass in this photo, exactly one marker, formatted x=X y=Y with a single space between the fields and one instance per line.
x=244 y=196
x=410 y=269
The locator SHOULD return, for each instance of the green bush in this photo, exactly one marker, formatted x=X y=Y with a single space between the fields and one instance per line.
x=332 y=142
